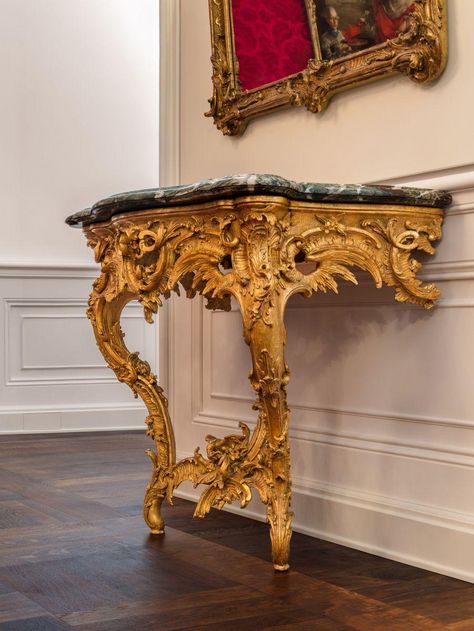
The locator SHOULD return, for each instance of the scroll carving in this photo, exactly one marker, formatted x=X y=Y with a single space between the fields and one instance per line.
x=250 y=250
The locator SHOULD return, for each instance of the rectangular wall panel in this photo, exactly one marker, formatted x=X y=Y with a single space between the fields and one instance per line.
x=382 y=406
x=53 y=377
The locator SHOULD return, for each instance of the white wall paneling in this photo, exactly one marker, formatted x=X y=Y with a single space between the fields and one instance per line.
x=53 y=377
x=382 y=408
x=79 y=120
x=382 y=450
x=382 y=423
x=45 y=342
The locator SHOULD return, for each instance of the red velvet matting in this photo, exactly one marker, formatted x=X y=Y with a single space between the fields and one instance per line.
x=272 y=40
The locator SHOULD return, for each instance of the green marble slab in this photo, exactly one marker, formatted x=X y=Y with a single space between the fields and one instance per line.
x=252 y=184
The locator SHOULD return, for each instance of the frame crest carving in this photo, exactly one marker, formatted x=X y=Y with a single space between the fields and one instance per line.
x=420 y=52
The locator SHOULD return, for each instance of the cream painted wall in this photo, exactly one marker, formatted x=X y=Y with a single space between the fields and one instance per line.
x=382 y=427
x=384 y=130
x=79 y=118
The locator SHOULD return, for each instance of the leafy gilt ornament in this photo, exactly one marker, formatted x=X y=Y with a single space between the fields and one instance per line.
x=245 y=237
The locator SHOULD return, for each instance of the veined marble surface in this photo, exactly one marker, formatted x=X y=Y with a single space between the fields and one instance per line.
x=254 y=184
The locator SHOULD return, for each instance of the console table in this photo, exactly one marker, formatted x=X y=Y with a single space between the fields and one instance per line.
x=245 y=237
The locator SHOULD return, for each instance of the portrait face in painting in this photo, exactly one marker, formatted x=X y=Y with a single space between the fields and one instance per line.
x=347 y=26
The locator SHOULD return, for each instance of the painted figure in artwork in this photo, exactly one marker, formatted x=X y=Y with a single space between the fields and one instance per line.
x=336 y=42
x=347 y=26
x=333 y=42
x=391 y=17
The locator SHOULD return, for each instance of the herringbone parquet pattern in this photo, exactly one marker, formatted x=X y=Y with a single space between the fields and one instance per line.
x=75 y=554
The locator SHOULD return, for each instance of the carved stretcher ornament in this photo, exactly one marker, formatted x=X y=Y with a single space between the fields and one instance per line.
x=243 y=237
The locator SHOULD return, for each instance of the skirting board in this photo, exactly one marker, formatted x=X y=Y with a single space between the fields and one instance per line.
x=80 y=419
x=441 y=544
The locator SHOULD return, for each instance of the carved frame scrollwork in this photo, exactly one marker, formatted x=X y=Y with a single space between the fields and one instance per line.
x=420 y=53
x=248 y=249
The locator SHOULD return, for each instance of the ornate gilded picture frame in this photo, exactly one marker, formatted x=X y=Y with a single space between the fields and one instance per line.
x=269 y=55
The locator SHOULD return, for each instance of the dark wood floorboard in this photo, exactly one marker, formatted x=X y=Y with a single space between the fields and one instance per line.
x=75 y=554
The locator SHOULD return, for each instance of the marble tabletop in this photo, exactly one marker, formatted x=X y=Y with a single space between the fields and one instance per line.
x=234 y=186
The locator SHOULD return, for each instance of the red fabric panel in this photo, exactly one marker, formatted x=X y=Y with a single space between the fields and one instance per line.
x=272 y=40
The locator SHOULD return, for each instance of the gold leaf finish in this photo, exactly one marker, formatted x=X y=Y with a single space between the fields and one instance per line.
x=420 y=53
x=249 y=249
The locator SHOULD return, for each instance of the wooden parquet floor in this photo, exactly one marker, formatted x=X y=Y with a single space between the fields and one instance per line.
x=75 y=554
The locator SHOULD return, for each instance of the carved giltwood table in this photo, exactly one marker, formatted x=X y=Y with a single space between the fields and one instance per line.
x=244 y=237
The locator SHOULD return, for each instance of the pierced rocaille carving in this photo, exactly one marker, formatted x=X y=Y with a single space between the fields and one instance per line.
x=248 y=249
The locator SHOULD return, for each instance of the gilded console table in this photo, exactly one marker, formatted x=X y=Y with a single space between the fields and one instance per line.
x=244 y=237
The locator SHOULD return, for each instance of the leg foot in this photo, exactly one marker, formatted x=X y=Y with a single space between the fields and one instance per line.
x=153 y=518
x=269 y=377
x=104 y=314
x=279 y=513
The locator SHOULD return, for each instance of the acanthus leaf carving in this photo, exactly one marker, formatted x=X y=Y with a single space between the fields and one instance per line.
x=252 y=253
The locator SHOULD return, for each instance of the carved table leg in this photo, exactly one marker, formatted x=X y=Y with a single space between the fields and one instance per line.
x=248 y=250
x=270 y=444
x=105 y=318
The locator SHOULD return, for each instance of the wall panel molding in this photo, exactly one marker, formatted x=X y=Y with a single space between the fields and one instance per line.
x=416 y=419
x=436 y=445
x=424 y=436
x=338 y=512
x=436 y=533
x=384 y=446
x=423 y=513
x=52 y=377
x=452 y=179
x=458 y=181
x=37 y=419
x=37 y=269
x=369 y=444
x=22 y=312
x=448 y=270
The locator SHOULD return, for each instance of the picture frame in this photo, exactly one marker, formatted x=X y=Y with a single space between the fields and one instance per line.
x=311 y=61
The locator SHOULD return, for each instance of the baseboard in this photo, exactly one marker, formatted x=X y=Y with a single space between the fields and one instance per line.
x=430 y=538
x=78 y=419
x=72 y=431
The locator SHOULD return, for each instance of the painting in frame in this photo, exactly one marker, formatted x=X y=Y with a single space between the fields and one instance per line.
x=269 y=55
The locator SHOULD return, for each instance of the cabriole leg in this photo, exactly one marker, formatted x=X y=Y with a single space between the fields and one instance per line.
x=105 y=318
x=269 y=377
